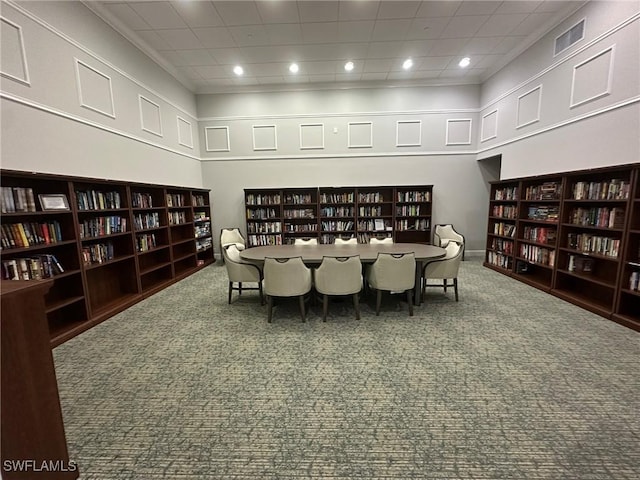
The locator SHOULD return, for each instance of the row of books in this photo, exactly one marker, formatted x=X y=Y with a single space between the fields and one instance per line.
x=261 y=240
x=298 y=198
x=257 y=199
x=545 y=191
x=202 y=229
x=17 y=199
x=176 y=200
x=499 y=260
x=614 y=189
x=598 y=217
x=99 y=226
x=264 y=227
x=506 y=193
x=545 y=213
x=372 y=197
x=199 y=201
x=147 y=220
x=146 y=242
x=408 y=211
x=29 y=234
x=419 y=224
x=337 y=226
x=578 y=264
x=177 y=218
x=304 y=227
x=96 y=200
x=204 y=244
x=300 y=213
x=504 y=229
x=97 y=253
x=594 y=244
x=261 y=213
x=141 y=200
x=505 y=211
x=200 y=217
x=378 y=224
x=634 y=281
x=503 y=246
x=536 y=254
x=413 y=196
x=336 y=197
x=370 y=211
x=328 y=239
x=540 y=235
x=337 y=211
x=31 y=268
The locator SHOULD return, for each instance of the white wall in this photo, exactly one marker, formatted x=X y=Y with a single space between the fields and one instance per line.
x=587 y=98
x=76 y=96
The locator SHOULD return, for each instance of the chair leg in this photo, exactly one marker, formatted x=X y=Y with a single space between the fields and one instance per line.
x=301 y=303
x=378 y=301
x=261 y=295
x=239 y=288
x=455 y=287
x=356 y=305
x=325 y=307
x=230 y=290
x=410 y=302
x=269 y=307
x=445 y=285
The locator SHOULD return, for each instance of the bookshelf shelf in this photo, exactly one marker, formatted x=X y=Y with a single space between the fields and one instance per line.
x=577 y=236
x=108 y=263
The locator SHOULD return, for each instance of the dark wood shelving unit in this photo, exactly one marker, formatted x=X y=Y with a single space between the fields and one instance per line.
x=592 y=258
x=116 y=244
x=277 y=216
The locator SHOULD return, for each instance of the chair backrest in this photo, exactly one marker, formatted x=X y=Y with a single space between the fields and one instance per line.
x=339 y=275
x=445 y=232
x=350 y=241
x=380 y=241
x=237 y=269
x=230 y=236
x=286 y=277
x=302 y=241
x=394 y=271
x=448 y=266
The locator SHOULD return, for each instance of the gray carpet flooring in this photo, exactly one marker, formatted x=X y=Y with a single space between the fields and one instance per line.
x=508 y=383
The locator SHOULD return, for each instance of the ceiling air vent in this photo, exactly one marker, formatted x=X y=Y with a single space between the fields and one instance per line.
x=568 y=38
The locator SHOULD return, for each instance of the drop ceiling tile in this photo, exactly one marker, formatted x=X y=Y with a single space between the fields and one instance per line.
x=390 y=30
x=427 y=28
x=532 y=23
x=213 y=71
x=227 y=56
x=215 y=37
x=314 y=12
x=180 y=39
x=325 y=32
x=501 y=24
x=507 y=44
x=355 y=31
x=434 y=63
x=154 y=40
x=198 y=14
x=270 y=80
x=348 y=77
x=320 y=68
x=374 y=76
x=284 y=34
x=195 y=57
x=401 y=75
x=269 y=69
x=238 y=13
x=278 y=12
x=159 y=14
x=424 y=74
x=377 y=65
x=128 y=16
x=464 y=26
x=472 y=7
x=552 y=6
x=416 y=48
x=384 y=49
x=481 y=45
x=438 y=8
x=321 y=78
x=249 y=35
x=358 y=10
x=398 y=9
x=448 y=46
x=521 y=6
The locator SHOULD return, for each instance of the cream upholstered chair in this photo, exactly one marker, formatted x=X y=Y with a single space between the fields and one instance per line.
x=239 y=271
x=443 y=233
x=380 y=241
x=307 y=241
x=342 y=241
x=393 y=272
x=230 y=236
x=339 y=276
x=286 y=277
x=443 y=269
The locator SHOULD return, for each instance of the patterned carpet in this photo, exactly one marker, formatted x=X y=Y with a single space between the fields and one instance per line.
x=508 y=383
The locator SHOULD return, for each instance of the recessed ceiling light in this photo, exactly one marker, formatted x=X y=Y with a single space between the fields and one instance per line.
x=238 y=70
x=348 y=66
x=465 y=62
x=408 y=63
x=293 y=68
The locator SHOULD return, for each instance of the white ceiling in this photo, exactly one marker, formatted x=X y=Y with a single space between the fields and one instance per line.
x=200 y=41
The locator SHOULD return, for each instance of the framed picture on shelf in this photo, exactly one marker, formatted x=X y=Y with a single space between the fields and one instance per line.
x=53 y=201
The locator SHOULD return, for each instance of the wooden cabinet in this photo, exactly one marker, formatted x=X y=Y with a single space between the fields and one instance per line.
x=107 y=245
x=574 y=235
x=33 y=437
x=202 y=228
x=276 y=216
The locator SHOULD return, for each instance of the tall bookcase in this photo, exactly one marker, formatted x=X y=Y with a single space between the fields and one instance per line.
x=575 y=235
x=277 y=216
x=106 y=244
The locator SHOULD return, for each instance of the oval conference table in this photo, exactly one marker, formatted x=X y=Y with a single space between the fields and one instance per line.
x=312 y=254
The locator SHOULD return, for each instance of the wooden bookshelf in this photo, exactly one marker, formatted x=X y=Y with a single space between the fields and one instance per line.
x=277 y=216
x=576 y=236
x=115 y=244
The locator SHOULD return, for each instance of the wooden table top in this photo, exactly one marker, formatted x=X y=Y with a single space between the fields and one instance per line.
x=314 y=253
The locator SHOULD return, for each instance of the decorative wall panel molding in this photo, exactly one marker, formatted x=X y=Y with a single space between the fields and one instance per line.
x=95 y=91
x=217 y=139
x=360 y=135
x=489 y=128
x=150 y=118
x=409 y=133
x=458 y=131
x=529 y=107
x=185 y=132
x=592 y=78
x=311 y=136
x=14 y=56
x=264 y=137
